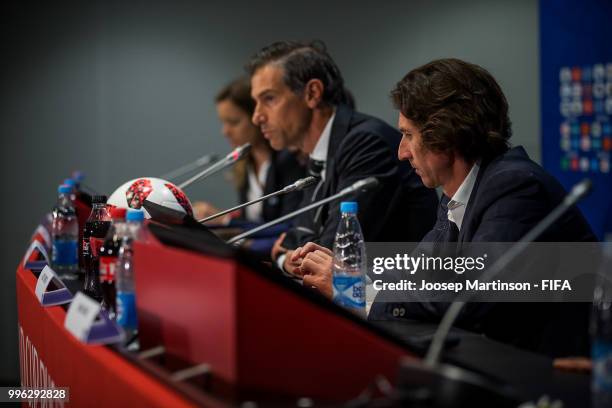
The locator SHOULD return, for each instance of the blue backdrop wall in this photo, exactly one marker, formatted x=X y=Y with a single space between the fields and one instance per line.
x=576 y=98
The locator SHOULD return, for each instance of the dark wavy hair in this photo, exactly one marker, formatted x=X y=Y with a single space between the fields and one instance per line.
x=301 y=62
x=239 y=93
x=457 y=106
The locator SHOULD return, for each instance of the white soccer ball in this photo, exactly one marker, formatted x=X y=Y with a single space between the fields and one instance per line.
x=133 y=194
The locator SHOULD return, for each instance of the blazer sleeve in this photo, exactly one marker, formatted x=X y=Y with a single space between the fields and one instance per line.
x=509 y=206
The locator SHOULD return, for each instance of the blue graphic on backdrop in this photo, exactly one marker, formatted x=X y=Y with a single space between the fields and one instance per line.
x=576 y=78
x=586 y=108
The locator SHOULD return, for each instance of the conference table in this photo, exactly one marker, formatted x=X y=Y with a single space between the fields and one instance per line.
x=219 y=329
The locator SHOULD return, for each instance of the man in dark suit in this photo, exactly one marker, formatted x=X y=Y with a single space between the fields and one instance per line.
x=300 y=99
x=455 y=131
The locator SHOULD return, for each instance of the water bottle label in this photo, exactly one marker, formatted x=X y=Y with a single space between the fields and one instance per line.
x=602 y=366
x=107 y=268
x=65 y=252
x=126 y=310
x=349 y=291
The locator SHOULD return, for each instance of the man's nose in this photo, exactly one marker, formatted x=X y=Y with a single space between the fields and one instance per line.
x=257 y=117
x=404 y=152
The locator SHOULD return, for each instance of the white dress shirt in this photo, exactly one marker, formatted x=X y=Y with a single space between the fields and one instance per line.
x=458 y=203
x=319 y=153
x=322 y=147
x=256 y=183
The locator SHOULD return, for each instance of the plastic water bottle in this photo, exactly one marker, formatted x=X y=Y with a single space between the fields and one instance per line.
x=73 y=189
x=126 y=296
x=601 y=332
x=78 y=177
x=65 y=235
x=350 y=263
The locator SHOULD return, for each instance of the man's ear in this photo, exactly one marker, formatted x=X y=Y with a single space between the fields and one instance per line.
x=313 y=93
x=453 y=156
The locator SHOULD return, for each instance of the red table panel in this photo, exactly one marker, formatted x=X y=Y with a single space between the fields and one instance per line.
x=96 y=375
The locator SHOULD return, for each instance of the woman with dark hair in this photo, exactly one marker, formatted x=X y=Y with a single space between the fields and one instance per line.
x=263 y=170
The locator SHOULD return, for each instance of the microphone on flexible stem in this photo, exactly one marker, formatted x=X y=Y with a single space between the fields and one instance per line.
x=358 y=186
x=435 y=349
x=235 y=155
x=297 y=186
x=189 y=167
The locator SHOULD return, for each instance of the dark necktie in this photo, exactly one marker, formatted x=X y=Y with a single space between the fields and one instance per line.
x=315 y=167
x=452 y=234
x=447 y=229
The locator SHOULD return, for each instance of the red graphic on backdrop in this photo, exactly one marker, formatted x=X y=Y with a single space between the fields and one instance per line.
x=138 y=192
x=181 y=198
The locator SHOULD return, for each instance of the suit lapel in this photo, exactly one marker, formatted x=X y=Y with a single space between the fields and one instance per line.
x=271 y=183
x=469 y=210
x=338 y=132
x=269 y=206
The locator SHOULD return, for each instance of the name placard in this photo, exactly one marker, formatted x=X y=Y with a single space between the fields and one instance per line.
x=88 y=323
x=50 y=290
x=81 y=316
x=36 y=246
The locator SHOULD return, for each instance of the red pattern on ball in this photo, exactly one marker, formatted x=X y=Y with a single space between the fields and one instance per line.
x=181 y=198
x=138 y=193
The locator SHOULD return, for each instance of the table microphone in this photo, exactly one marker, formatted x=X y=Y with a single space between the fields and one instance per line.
x=435 y=349
x=297 y=186
x=189 y=167
x=235 y=155
x=358 y=186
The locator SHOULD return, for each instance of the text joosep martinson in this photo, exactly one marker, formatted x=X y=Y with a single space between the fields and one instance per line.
x=458 y=265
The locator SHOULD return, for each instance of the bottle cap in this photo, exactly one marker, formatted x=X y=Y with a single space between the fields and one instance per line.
x=64 y=189
x=99 y=199
x=134 y=215
x=118 y=213
x=348 y=207
x=78 y=176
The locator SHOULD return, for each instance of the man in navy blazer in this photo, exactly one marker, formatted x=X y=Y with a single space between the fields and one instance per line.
x=510 y=195
x=453 y=117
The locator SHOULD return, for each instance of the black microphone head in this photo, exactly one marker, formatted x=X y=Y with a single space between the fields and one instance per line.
x=582 y=189
x=300 y=184
x=305 y=182
x=361 y=185
x=366 y=184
